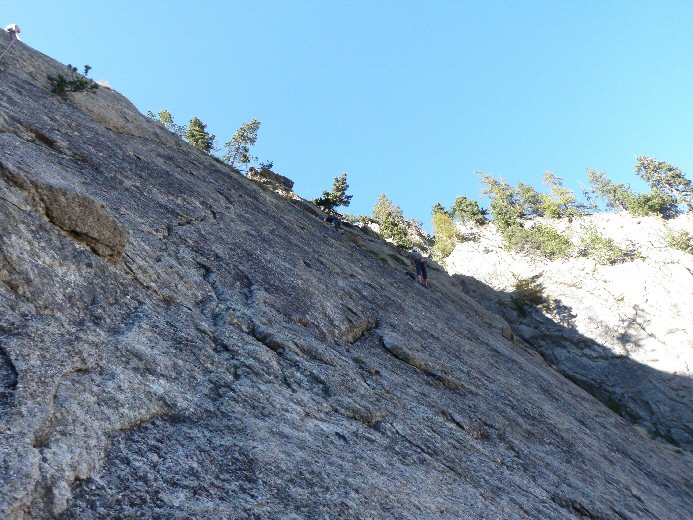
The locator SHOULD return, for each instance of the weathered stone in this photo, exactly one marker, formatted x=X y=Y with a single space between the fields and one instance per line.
x=623 y=332
x=269 y=177
x=243 y=360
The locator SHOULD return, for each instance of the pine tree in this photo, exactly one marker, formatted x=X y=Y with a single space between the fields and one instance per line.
x=391 y=220
x=506 y=207
x=662 y=176
x=197 y=135
x=238 y=148
x=339 y=189
x=165 y=118
x=467 y=210
x=561 y=201
x=337 y=197
x=385 y=207
x=438 y=208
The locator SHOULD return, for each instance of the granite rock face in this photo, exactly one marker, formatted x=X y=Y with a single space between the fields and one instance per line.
x=272 y=179
x=177 y=342
x=623 y=332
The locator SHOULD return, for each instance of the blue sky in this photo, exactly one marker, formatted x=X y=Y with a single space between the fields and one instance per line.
x=409 y=98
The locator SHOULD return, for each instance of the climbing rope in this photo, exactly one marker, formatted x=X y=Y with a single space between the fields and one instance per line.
x=14 y=30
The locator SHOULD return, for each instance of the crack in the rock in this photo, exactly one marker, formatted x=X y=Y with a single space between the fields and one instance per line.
x=137 y=277
x=8 y=380
x=43 y=434
x=428 y=452
x=422 y=366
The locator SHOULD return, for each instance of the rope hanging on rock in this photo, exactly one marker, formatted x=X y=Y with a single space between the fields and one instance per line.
x=14 y=30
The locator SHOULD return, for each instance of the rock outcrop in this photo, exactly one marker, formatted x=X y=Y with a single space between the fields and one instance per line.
x=623 y=332
x=177 y=342
x=272 y=179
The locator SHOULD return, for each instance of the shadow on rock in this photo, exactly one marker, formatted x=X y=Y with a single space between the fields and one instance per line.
x=657 y=401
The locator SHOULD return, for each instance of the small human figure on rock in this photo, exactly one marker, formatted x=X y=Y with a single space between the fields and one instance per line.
x=14 y=30
x=334 y=220
x=419 y=261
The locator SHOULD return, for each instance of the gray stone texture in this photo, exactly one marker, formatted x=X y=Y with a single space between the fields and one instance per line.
x=623 y=332
x=177 y=342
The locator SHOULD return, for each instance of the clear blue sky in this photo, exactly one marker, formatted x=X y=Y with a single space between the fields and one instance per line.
x=410 y=98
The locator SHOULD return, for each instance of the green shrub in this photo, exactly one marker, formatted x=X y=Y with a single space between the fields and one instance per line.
x=165 y=118
x=662 y=176
x=681 y=240
x=395 y=230
x=530 y=200
x=540 y=238
x=385 y=207
x=238 y=148
x=390 y=218
x=61 y=85
x=656 y=202
x=602 y=249
x=506 y=204
x=621 y=196
x=560 y=202
x=353 y=219
x=466 y=210
x=446 y=235
x=442 y=248
x=527 y=291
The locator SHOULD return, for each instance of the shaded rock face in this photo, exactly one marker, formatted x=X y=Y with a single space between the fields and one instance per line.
x=623 y=332
x=176 y=342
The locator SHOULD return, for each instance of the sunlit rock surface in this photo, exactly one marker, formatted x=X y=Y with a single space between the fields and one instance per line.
x=624 y=332
x=177 y=342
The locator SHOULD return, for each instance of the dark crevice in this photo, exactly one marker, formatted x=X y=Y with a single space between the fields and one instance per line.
x=8 y=381
x=360 y=330
x=39 y=137
x=225 y=197
x=575 y=506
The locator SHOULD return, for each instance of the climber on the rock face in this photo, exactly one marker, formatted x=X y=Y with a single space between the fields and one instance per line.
x=419 y=262
x=332 y=219
x=13 y=29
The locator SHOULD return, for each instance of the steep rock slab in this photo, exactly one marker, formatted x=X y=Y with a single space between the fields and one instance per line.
x=623 y=332
x=240 y=359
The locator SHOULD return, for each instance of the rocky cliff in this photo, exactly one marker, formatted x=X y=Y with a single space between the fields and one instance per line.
x=623 y=332
x=177 y=341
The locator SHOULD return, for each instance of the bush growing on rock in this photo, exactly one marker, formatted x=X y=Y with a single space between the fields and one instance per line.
x=391 y=220
x=528 y=291
x=622 y=197
x=165 y=118
x=664 y=177
x=540 y=238
x=353 y=219
x=560 y=202
x=385 y=207
x=396 y=231
x=445 y=233
x=603 y=250
x=506 y=205
x=466 y=211
x=510 y=205
x=681 y=240
x=61 y=85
